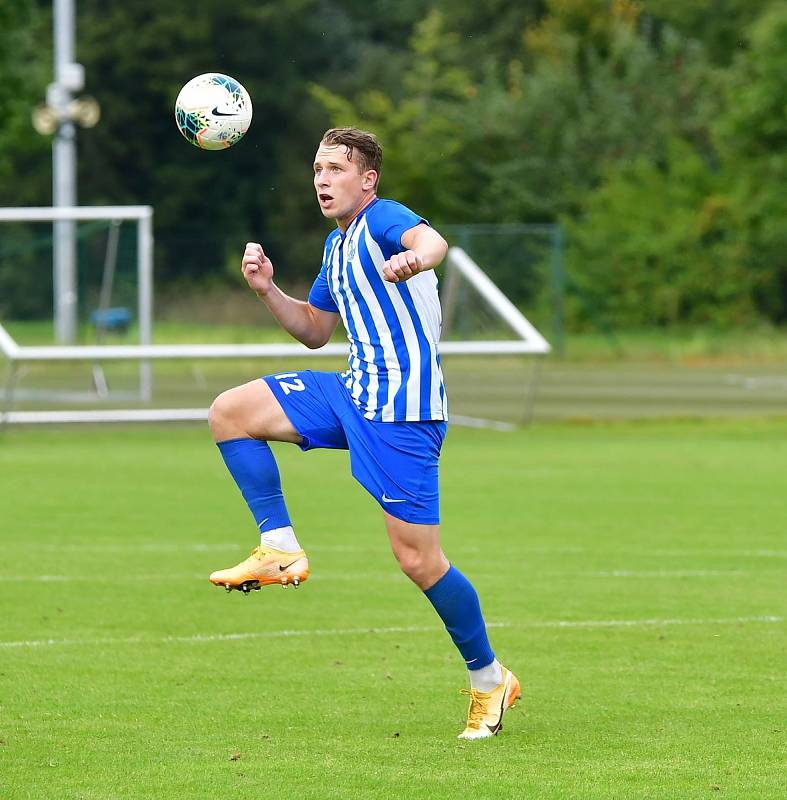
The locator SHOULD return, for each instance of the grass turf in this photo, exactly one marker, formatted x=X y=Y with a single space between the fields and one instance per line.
x=633 y=574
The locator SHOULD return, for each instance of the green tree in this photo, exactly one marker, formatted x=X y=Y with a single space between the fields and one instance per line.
x=534 y=142
x=22 y=151
x=752 y=135
x=499 y=112
x=698 y=236
x=721 y=25
x=421 y=133
x=24 y=34
x=209 y=204
x=660 y=244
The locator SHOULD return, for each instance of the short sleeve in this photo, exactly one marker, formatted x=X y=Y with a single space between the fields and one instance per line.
x=320 y=294
x=388 y=221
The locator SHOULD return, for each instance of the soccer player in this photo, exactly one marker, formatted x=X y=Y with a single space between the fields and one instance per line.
x=388 y=409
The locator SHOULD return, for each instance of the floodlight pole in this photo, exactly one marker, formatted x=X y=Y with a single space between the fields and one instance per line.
x=69 y=77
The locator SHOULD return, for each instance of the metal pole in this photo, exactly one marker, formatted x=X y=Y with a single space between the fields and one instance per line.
x=532 y=390
x=12 y=370
x=145 y=300
x=558 y=290
x=104 y=299
x=64 y=178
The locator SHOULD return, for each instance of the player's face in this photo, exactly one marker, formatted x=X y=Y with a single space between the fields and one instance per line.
x=342 y=191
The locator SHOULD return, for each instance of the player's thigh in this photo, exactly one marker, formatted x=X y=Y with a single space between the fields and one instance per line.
x=411 y=535
x=251 y=410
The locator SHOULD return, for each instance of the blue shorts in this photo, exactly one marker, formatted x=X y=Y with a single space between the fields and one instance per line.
x=396 y=462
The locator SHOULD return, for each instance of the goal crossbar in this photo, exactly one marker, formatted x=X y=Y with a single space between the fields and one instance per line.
x=74 y=213
x=136 y=352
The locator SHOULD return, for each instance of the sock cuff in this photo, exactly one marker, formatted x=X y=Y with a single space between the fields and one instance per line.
x=226 y=444
x=445 y=586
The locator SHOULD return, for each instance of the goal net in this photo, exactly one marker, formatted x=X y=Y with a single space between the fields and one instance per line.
x=115 y=372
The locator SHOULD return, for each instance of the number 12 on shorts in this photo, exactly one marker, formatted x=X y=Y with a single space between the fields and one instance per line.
x=290 y=382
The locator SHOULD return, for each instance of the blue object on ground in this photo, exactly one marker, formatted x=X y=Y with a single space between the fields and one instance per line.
x=112 y=319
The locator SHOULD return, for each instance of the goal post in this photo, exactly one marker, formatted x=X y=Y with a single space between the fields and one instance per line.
x=491 y=352
x=143 y=216
x=459 y=263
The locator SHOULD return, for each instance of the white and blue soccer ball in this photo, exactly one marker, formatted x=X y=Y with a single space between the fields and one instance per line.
x=213 y=111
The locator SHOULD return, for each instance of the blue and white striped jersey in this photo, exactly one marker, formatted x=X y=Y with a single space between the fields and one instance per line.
x=393 y=328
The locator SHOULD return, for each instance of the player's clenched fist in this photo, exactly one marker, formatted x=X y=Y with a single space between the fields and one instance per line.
x=257 y=268
x=402 y=266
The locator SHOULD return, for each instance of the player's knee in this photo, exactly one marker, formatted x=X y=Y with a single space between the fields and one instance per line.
x=423 y=563
x=223 y=416
x=412 y=562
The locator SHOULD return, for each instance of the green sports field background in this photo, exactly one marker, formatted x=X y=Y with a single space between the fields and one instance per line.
x=633 y=575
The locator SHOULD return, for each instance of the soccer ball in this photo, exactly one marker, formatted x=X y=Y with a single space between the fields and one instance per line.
x=213 y=111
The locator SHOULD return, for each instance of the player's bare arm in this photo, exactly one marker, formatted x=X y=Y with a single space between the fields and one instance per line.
x=309 y=325
x=425 y=250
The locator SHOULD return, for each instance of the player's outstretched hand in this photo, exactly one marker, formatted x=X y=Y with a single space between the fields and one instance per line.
x=402 y=266
x=257 y=268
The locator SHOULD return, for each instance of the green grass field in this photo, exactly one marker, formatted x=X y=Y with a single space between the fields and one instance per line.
x=633 y=575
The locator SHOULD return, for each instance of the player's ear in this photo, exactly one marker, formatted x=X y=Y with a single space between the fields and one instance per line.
x=369 y=179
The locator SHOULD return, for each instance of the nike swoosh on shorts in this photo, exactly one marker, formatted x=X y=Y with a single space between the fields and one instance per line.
x=391 y=499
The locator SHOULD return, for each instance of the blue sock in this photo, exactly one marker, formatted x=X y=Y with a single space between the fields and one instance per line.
x=456 y=601
x=253 y=466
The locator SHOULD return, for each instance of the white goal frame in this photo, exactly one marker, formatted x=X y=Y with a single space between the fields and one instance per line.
x=528 y=342
x=143 y=216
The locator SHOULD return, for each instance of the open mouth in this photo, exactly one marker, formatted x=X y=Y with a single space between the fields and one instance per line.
x=325 y=198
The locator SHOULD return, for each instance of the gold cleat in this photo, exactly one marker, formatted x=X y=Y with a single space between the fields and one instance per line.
x=485 y=715
x=265 y=566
